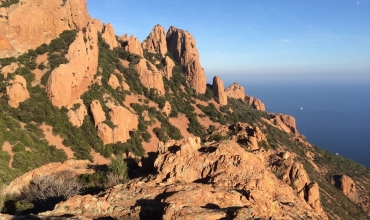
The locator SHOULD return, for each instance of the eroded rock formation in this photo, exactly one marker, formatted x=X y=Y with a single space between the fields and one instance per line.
x=219 y=90
x=285 y=123
x=113 y=81
x=255 y=103
x=97 y=112
x=69 y=81
x=131 y=44
x=17 y=91
x=156 y=41
x=45 y=20
x=168 y=67
x=150 y=76
x=235 y=91
x=76 y=115
x=109 y=36
x=182 y=46
x=220 y=180
x=167 y=108
x=124 y=122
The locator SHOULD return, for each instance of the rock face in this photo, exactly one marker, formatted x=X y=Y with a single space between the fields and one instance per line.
x=242 y=133
x=97 y=112
x=347 y=186
x=292 y=173
x=105 y=133
x=45 y=21
x=150 y=76
x=109 y=36
x=219 y=90
x=285 y=123
x=69 y=81
x=218 y=181
x=235 y=91
x=156 y=41
x=17 y=91
x=132 y=44
x=124 y=122
x=168 y=67
x=255 y=103
x=77 y=115
x=182 y=46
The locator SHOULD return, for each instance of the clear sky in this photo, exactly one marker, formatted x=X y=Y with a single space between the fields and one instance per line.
x=307 y=39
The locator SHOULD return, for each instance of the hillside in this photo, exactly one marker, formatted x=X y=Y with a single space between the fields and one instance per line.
x=80 y=97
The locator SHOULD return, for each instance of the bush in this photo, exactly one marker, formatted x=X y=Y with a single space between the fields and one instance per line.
x=51 y=187
x=117 y=172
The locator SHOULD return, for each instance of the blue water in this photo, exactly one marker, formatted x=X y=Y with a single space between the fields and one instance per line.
x=335 y=117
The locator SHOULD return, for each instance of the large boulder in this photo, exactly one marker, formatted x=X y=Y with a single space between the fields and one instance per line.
x=69 y=81
x=77 y=113
x=219 y=90
x=182 y=46
x=45 y=20
x=156 y=41
x=97 y=112
x=17 y=91
x=109 y=36
x=285 y=122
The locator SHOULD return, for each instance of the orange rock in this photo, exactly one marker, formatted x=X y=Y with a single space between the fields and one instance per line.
x=255 y=103
x=105 y=133
x=235 y=91
x=9 y=69
x=113 y=81
x=124 y=121
x=45 y=21
x=17 y=91
x=167 y=109
x=69 y=81
x=219 y=90
x=168 y=67
x=97 y=112
x=182 y=46
x=156 y=41
x=109 y=36
x=285 y=123
x=133 y=44
x=77 y=116
x=150 y=76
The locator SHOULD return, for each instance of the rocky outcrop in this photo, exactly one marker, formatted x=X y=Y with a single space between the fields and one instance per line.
x=150 y=76
x=168 y=67
x=11 y=68
x=45 y=20
x=293 y=173
x=77 y=113
x=131 y=44
x=17 y=91
x=235 y=91
x=166 y=110
x=70 y=168
x=113 y=81
x=347 y=186
x=109 y=36
x=69 y=81
x=182 y=46
x=247 y=136
x=105 y=133
x=156 y=41
x=215 y=181
x=124 y=121
x=219 y=90
x=145 y=115
x=97 y=112
x=285 y=123
x=255 y=103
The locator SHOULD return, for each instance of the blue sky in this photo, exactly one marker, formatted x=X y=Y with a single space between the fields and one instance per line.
x=324 y=40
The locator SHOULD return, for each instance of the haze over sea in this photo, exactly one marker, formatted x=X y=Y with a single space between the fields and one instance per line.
x=335 y=115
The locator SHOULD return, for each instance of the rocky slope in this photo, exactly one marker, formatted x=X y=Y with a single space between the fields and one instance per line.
x=106 y=97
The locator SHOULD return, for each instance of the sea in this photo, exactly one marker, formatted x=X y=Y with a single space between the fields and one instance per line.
x=333 y=116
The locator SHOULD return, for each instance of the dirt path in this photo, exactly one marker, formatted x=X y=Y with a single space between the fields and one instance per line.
x=8 y=148
x=181 y=122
